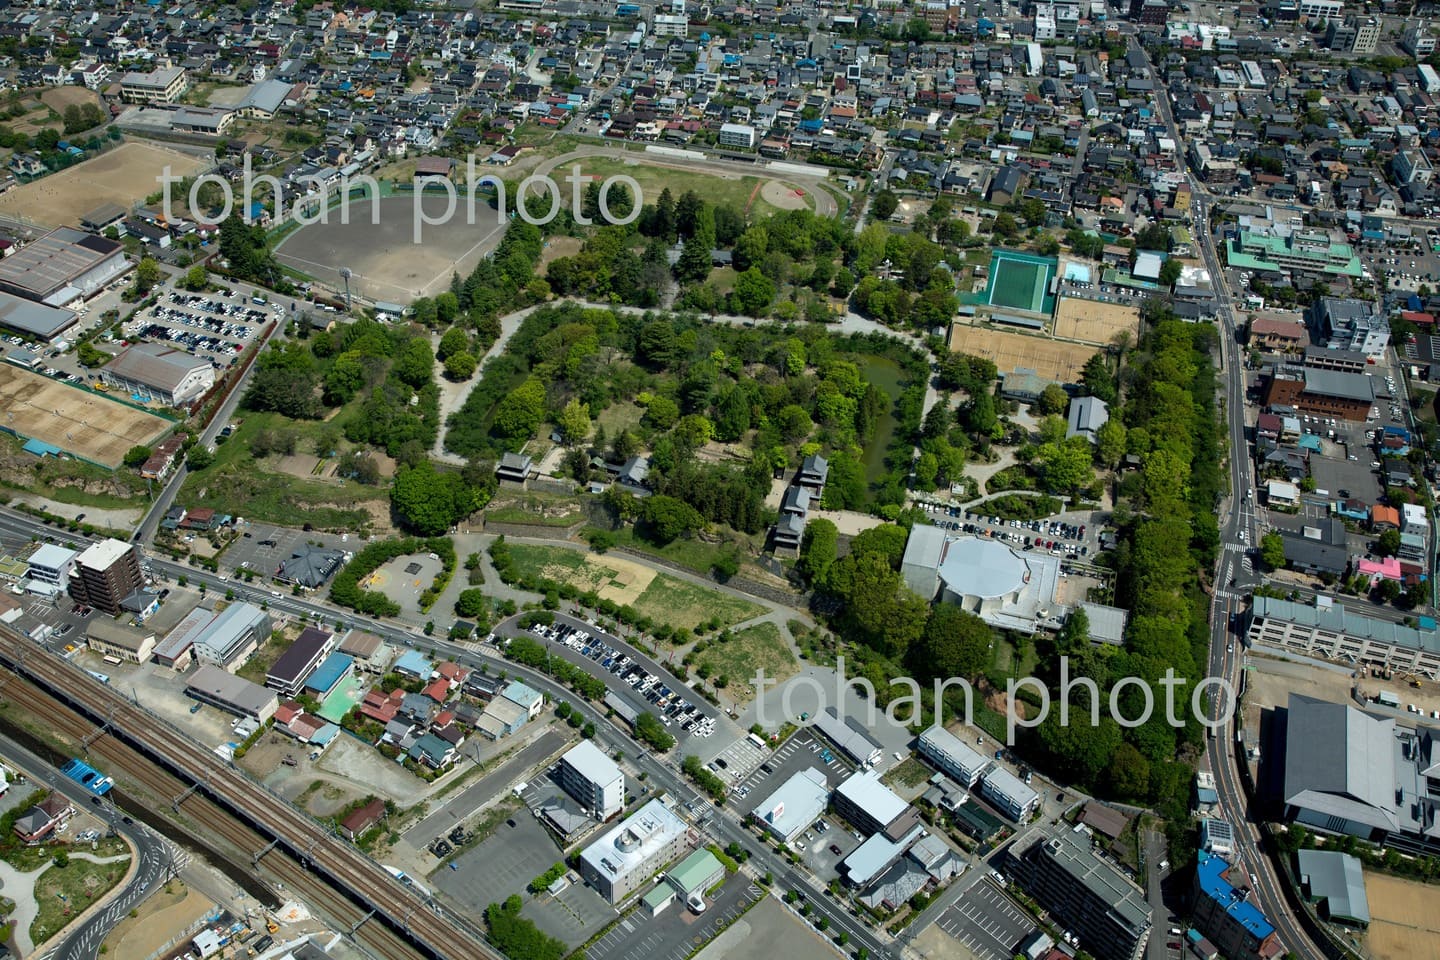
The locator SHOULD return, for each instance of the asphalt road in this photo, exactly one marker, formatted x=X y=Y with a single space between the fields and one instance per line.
x=1235 y=578
x=157 y=861
x=721 y=825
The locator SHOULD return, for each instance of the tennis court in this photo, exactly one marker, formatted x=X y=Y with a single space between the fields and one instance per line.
x=1021 y=281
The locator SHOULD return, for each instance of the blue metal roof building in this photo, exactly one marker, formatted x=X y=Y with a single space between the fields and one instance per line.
x=1225 y=914
x=329 y=674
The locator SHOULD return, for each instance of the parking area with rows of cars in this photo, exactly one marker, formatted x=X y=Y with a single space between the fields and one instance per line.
x=669 y=706
x=1061 y=537
x=217 y=326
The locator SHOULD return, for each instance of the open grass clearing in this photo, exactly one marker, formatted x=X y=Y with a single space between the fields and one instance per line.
x=238 y=484
x=757 y=647
x=735 y=191
x=63 y=893
x=662 y=598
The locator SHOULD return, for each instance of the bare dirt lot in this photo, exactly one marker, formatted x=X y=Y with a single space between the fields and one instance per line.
x=1095 y=322
x=124 y=175
x=58 y=98
x=1404 y=924
x=1052 y=359
x=783 y=197
x=385 y=261
x=85 y=424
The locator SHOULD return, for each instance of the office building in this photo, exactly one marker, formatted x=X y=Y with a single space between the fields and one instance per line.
x=161 y=85
x=1084 y=894
x=950 y=756
x=1304 y=251
x=593 y=779
x=1225 y=913
x=791 y=809
x=106 y=574
x=1342 y=323
x=288 y=673
x=49 y=568
x=159 y=373
x=631 y=852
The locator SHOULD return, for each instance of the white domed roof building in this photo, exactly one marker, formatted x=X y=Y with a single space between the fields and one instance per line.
x=1005 y=587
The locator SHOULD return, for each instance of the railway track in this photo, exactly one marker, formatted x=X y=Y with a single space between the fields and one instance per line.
x=383 y=914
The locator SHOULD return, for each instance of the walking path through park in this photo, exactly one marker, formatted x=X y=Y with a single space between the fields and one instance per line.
x=453 y=395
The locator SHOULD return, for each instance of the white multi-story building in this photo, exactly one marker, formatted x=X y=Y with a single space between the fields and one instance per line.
x=738 y=135
x=668 y=25
x=593 y=779
x=161 y=85
x=1322 y=9
x=50 y=567
x=629 y=854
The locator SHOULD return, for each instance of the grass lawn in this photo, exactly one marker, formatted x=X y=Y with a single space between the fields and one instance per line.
x=258 y=666
x=1007 y=663
x=910 y=773
x=758 y=647
x=64 y=892
x=697 y=555
x=733 y=191
x=619 y=416
x=238 y=484
x=68 y=480
x=662 y=598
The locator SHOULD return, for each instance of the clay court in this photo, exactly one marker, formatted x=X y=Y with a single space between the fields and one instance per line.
x=782 y=196
x=1095 y=322
x=384 y=260
x=1052 y=359
x=84 y=424
x=1403 y=921
x=125 y=175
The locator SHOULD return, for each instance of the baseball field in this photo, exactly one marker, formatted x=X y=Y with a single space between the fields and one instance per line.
x=84 y=424
x=125 y=175
x=384 y=260
x=1403 y=920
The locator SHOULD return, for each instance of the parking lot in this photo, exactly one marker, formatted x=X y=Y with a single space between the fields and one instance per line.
x=677 y=932
x=216 y=326
x=262 y=547
x=1072 y=536
x=505 y=863
x=663 y=696
x=987 y=922
x=802 y=751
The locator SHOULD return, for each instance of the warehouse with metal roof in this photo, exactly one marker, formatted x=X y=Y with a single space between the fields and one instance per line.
x=61 y=267
x=32 y=319
x=1335 y=882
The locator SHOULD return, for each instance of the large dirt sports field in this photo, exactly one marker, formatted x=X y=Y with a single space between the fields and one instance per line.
x=1052 y=359
x=1404 y=922
x=1095 y=322
x=89 y=426
x=125 y=175
x=384 y=260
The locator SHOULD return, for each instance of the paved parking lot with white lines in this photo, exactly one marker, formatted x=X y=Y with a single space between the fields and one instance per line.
x=987 y=922
x=675 y=933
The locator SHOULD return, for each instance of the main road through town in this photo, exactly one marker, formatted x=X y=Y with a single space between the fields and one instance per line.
x=1235 y=578
x=721 y=824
